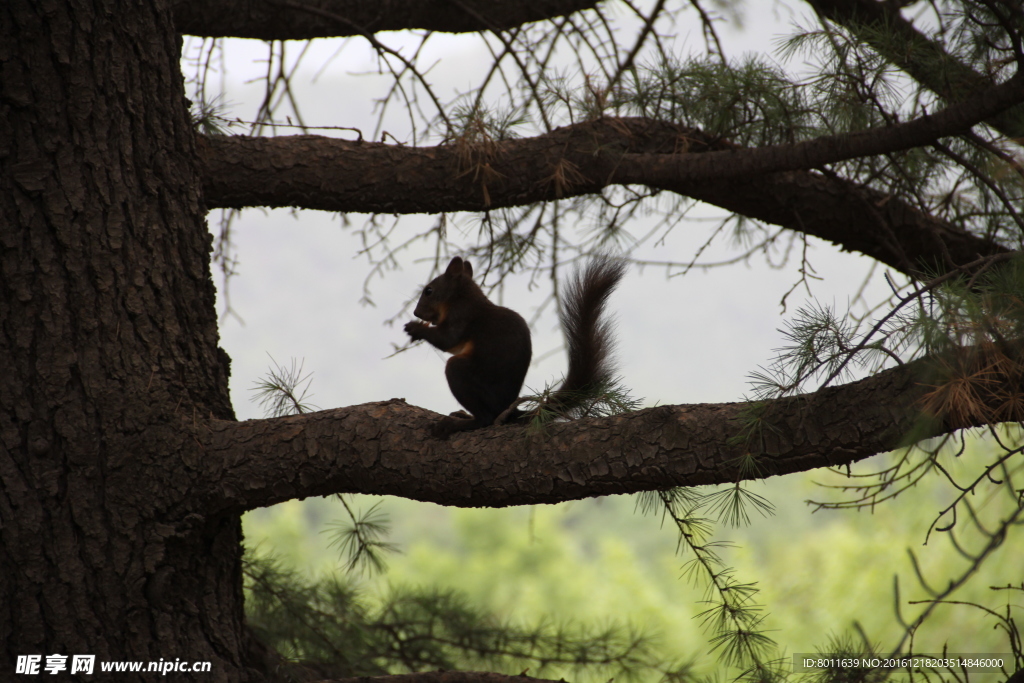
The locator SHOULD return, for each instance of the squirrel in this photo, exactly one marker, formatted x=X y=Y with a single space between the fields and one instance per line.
x=490 y=344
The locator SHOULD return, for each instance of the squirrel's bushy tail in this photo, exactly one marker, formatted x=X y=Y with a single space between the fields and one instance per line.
x=588 y=334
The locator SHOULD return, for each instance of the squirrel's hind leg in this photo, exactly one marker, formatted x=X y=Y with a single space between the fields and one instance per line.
x=475 y=396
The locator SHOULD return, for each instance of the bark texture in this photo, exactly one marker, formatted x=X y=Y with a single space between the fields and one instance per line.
x=305 y=19
x=385 y=448
x=110 y=341
x=338 y=175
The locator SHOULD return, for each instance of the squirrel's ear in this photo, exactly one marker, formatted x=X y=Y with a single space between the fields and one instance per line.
x=457 y=265
x=454 y=266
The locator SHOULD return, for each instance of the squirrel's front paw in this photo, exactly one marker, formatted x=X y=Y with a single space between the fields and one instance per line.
x=415 y=330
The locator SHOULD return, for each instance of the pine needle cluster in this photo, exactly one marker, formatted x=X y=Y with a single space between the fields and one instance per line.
x=733 y=618
x=610 y=397
x=966 y=329
x=334 y=628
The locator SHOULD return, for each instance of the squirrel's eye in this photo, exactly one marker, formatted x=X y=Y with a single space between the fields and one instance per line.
x=428 y=291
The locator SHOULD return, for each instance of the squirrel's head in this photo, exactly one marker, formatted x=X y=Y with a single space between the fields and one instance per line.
x=438 y=295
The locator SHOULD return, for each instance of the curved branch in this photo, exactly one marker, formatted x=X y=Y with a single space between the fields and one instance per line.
x=267 y=20
x=338 y=175
x=384 y=448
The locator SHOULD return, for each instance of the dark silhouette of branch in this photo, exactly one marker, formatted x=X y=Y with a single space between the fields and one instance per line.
x=339 y=175
x=277 y=21
x=384 y=448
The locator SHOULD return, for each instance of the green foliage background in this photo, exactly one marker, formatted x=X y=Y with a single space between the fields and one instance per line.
x=599 y=561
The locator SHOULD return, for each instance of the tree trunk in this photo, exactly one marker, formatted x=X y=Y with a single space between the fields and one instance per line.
x=108 y=325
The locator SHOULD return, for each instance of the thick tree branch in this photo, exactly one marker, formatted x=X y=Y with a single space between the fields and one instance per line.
x=338 y=175
x=282 y=20
x=384 y=448
x=881 y=25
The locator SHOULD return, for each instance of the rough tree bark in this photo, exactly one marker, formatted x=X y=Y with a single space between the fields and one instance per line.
x=359 y=176
x=351 y=449
x=123 y=471
x=109 y=338
x=289 y=19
